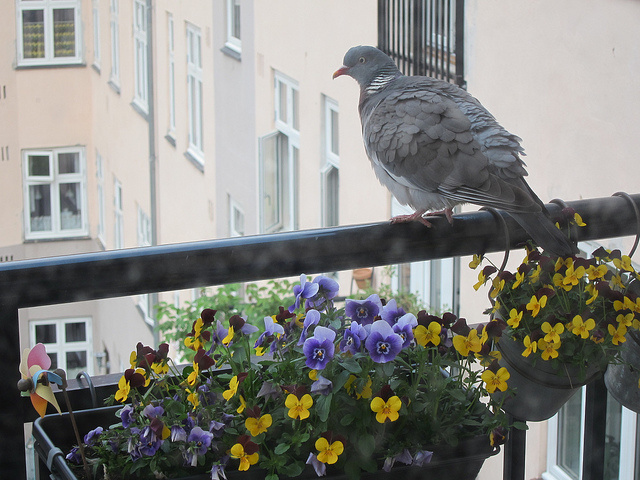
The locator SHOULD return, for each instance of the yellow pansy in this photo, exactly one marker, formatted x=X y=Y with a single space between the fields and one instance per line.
x=530 y=347
x=256 y=426
x=298 y=407
x=328 y=452
x=233 y=388
x=386 y=410
x=515 y=318
x=246 y=460
x=425 y=335
x=549 y=349
x=535 y=304
x=582 y=328
x=552 y=333
x=618 y=334
x=466 y=344
x=496 y=380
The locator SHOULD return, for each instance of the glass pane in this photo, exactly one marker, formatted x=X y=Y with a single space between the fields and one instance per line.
x=70 y=208
x=235 y=30
x=612 y=440
x=334 y=133
x=569 y=428
x=68 y=163
x=39 y=165
x=295 y=109
x=54 y=360
x=33 y=33
x=46 y=333
x=75 y=332
x=76 y=362
x=331 y=205
x=64 y=34
x=282 y=101
x=270 y=176
x=40 y=208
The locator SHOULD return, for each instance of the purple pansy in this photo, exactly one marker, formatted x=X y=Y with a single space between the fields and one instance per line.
x=318 y=466
x=152 y=412
x=178 y=434
x=74 y=456
x=422 y=457
x=363 y=311
x=391 y=313
x=322 y=385
x=149 y=442
x=304 y=290
x=199 y=442
x=271 y=328
x=217 y=472
x=353 y=337
x=328 y=289
x=90 y=437
x=269 y=390
x=126 y=415
x=404 y=327
x=319 y=349
x=383 y=343
x=311 y=318
x=404 y=457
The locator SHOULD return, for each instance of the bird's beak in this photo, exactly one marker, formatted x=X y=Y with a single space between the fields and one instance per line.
x=341 y=71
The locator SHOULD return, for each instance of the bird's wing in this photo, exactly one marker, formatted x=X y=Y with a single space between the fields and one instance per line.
x=425 y=141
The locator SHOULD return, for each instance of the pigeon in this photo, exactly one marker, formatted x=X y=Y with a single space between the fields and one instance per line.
x=434 y=146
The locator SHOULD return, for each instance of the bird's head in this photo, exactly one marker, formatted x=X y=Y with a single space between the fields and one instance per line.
x=364 y=64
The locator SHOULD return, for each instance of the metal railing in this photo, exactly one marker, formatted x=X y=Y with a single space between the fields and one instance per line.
x=49 y=281
x=424 y=37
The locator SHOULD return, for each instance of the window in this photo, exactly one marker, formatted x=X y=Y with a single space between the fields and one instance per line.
x=48 y=32
x=172 y=76
x=118 y=224
x=141 y=97
x=330 y=170
x=96 y=34
x=55 y=194
x=236 y=219
x=565 y=442
x=194 y=94
x=68 y=342
x=144 y=240
x=233 y=26
x=101 y=202
x=279 y=154
x=115 y=44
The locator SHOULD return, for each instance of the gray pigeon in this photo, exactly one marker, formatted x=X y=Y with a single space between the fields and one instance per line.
x=434 y=146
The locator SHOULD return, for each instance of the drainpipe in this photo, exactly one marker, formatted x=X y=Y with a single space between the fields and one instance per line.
x=152 y=159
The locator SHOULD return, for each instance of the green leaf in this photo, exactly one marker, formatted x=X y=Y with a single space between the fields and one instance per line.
x=281 y=448
x=520 y=425
x=347 y=420
x=388 y=368
x=352 y=366
x=323 y=407
x=293 y=470
x=271 y=476
x=366 y=445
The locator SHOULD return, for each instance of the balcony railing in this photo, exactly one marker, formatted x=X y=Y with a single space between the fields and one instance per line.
x=49 y=281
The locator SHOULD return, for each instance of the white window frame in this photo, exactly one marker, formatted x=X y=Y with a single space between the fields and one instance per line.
x=54 y=180
x=118 y=224
x=236 y=219
x=234 y=42
x=172 y=73
x=101 y=197
x=628 y=445
x=195 y=93
x=144 y=240
x=48 y=7
x=331 y=165
x=114 y=26
x=96 y=34
x=60 y=347
x=140 y=56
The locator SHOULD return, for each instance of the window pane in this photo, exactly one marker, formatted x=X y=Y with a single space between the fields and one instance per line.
x=33 y=33
x=75 y=332
x=70 y=208
x=295 y=109
x=270 y=175
x=39 y=165
x=334 y=132
x=54 y=360
x=68 y=163
x=40 y=208
x=612 y=439
x=331 y=205
x=282 y=97
x=76 y=362
x=64 y=35
x=569 y=428
x=46 y=333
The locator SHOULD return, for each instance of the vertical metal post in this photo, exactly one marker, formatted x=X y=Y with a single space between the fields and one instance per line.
x=515 y=454
x=595 y=430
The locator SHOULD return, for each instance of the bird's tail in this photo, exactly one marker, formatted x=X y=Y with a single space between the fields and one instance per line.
x=545 y=233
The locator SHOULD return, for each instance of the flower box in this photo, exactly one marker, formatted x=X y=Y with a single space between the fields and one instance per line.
x=54 y=437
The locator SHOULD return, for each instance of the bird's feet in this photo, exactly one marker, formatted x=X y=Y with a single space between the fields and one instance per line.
x=418 y=217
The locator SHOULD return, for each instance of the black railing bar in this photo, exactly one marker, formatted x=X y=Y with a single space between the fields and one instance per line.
x=49 y=281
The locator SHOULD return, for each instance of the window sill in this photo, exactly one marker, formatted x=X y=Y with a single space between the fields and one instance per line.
x=96 y=67
x=49 y=64
x=54 y=238
x=143 y=111
x=232 y=52
x=195 y=159
x=171 y=139
x=114 y=86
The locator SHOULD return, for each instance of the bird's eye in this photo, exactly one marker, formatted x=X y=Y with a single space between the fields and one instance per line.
x=362 y=60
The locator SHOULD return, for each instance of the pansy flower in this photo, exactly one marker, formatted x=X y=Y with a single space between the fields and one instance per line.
x=429 y=334
x=383 y=343
x=363 y=311
x=311 y=318
x=329 y=448
x=353 y=338
x=298 y=407
x=404 y=327
x=246 y=451
x=386 y=405
x=327 y=290
x=305 y=291
x=391 y=313
x=319 y=349
x=198 y=442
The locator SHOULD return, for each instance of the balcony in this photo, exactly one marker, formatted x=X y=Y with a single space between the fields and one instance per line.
x=109 y=274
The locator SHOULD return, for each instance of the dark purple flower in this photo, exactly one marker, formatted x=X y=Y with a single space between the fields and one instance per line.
x=319 y=349
x=404 y=327
x=90 y=437
x=126 y=415
x=74 y=456
x=404 y=457
x=363 y=311
x=328 y=289
x=422 y=457
x=152 y=412
x=383 y=343
x=304 y=290
x=391 y=313
x=322 y=385
x=353 y=338
x=199 y=442
x=149 y=442
x=311 y=318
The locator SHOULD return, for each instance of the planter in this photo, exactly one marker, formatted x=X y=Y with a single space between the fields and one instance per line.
x=54 y=438
x=540 y=391
x=622 y=379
